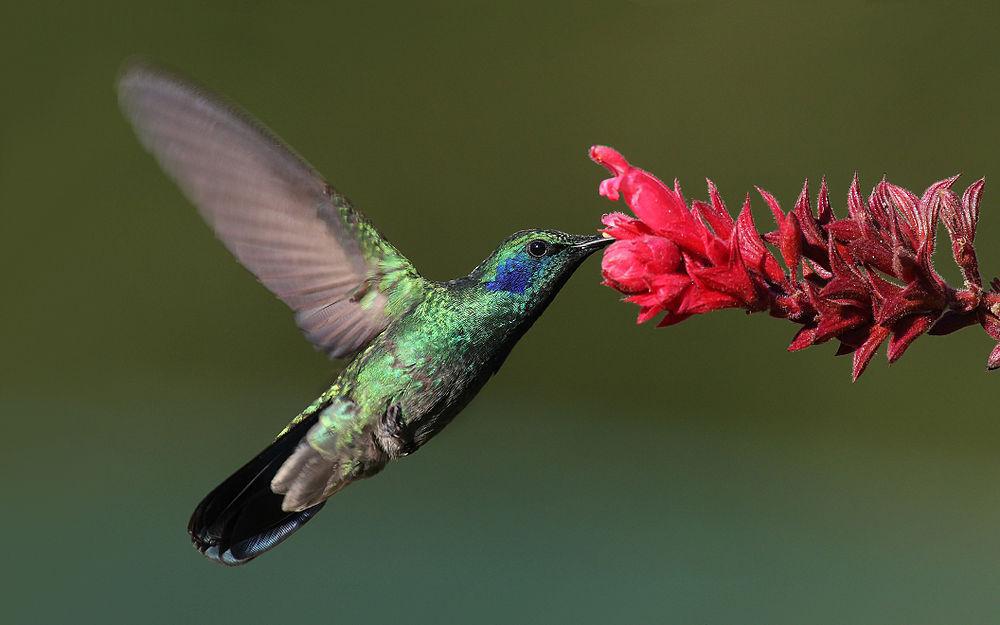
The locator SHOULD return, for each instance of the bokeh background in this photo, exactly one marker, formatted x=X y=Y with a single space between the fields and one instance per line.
x=609 y=473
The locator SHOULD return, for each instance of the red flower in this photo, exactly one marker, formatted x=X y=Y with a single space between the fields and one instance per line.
x=862 y=280
x=628 y=268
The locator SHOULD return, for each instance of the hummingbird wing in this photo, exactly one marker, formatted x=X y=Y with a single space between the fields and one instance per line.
x=301 y=238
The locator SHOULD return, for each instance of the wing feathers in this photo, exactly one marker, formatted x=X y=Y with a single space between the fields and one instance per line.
x=279 y=218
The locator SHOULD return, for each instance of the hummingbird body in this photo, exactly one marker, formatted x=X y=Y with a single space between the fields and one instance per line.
x=422 y=349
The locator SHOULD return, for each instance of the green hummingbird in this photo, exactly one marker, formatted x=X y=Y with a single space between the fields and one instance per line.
x=421 y=349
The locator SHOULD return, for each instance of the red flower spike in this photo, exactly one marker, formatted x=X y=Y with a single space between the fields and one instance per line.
x=865 y=279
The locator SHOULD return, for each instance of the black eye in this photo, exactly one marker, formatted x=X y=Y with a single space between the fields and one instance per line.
x=537 y=248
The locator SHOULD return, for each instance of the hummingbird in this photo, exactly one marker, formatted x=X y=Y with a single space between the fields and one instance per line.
x=419 y=349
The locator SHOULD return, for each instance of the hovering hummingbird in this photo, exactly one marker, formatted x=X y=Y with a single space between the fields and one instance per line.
x=421 y=349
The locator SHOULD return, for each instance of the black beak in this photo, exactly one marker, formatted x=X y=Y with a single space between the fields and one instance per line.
x=589 y=245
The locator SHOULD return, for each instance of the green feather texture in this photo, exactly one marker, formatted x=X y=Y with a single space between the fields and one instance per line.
x=421 y=349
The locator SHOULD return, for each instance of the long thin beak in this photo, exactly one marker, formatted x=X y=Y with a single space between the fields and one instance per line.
x=591 y=245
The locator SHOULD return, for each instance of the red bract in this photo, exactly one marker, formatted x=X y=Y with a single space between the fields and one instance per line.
x=865 y=279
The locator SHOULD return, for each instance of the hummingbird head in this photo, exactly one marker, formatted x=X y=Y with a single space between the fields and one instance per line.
x=530 y=266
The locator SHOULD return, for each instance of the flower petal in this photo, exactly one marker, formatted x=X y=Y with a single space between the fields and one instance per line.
x=658 y=206
x=952 y=321
x=863 y=355
x=905 y=331
x=805 y=337
x=993 y=362
x=755 y=253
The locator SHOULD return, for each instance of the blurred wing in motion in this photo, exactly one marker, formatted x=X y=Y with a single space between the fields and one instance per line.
x=301 y=238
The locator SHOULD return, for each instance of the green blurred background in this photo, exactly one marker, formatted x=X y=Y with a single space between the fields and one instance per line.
x=609 y=473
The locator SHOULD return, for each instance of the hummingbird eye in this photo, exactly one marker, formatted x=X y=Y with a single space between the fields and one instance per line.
x=538 y=248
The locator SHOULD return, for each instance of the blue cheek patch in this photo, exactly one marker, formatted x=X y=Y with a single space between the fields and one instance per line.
x=513 y=275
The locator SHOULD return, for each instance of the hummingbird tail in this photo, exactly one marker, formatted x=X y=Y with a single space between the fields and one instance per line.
x=242 y=518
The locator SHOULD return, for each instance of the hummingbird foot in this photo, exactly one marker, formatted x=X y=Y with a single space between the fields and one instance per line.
x=393 y=435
